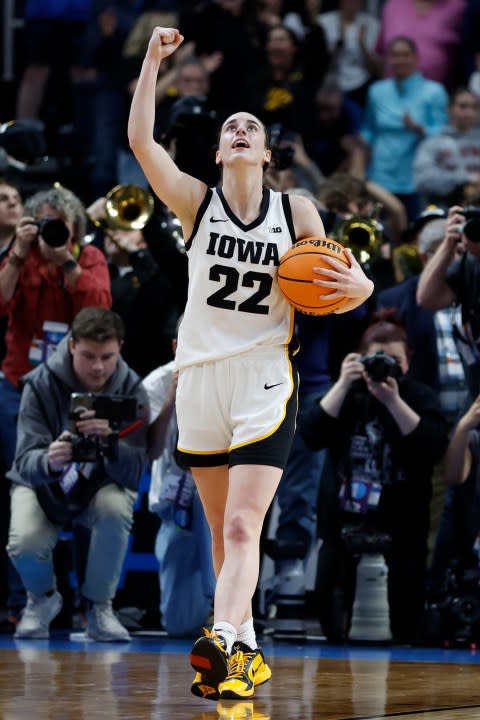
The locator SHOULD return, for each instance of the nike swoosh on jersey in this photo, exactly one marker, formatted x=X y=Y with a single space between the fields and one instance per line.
x=268 y=387
x=212 y=219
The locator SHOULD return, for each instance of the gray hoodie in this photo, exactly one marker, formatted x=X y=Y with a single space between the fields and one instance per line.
x=44 y=415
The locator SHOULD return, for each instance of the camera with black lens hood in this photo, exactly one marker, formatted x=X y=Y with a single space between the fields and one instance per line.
x=282 y=150
x=453 y=616
x=53 y=231
x=380 y=365
x=119 y=410
x=359 y=540
x=193 y=127
x=471 y=226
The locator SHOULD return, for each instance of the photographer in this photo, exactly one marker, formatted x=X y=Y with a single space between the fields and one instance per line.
x=47 y=276
x=452 y=279
x=88 y=474
x=456 y=545
x=385 y=432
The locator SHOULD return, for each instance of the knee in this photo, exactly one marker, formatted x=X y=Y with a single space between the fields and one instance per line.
x=29 y=543
x=113 y=506
x=239 y=531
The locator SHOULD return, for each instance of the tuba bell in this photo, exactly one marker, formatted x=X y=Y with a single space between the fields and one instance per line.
x=362 y=235
x=128 y=207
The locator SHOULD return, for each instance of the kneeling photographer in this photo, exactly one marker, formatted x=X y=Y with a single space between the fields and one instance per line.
x=453 y=608
x=80 y=455
x=385 y=432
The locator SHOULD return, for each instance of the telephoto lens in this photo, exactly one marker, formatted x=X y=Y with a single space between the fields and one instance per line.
x=53 y=231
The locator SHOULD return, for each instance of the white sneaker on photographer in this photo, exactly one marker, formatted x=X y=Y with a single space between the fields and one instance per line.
x=104 y=626
x=38 y=614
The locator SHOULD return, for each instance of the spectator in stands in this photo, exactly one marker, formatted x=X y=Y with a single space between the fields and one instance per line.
x=351 y=38
x=40 y=284
x=401 y=111
x=332 y=135
x=280 y=89
x=226 y=27
x=143 y=294
x=109 y=26
x=11 y=209
x=386 y=433
x=451 y=159
x=435 y=360
x=457 y=537
x=54 y=38
x=56 y=480
x=449 y=279
x=182 y=547
x=435 y=28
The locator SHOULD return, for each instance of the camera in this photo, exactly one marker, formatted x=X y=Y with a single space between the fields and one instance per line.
x=379 y=366
x=193 y=126
x=454 y=616
x=359 y=540
x=53 y=231
x=471 y=226
x=282 y=152
x=119 y=410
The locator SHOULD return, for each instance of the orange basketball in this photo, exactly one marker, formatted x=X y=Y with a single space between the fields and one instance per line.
x=295 y=275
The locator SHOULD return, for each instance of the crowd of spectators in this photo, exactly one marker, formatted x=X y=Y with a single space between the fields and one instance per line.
x=373 y=109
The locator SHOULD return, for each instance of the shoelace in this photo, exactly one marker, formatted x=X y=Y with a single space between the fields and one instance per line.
x=237 y=662
x=213 y=636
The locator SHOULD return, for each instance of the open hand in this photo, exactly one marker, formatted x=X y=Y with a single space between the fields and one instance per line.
x=345 y=281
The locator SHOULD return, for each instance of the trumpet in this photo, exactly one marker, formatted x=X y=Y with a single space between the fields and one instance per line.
x=127 y=207
x=363 y=235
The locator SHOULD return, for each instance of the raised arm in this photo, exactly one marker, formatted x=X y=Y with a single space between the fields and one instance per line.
x=177 y=190
x=433 y=292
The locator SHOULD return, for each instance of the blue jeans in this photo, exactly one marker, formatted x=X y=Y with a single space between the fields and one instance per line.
x=297 y=493
x=32 y=538
x=187 y=580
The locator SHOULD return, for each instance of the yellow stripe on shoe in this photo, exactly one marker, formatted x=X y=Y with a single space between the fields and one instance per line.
x=246 y=669
x=202 y=688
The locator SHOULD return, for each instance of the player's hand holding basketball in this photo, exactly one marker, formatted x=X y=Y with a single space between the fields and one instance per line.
x=163 y=42
x=345 y=281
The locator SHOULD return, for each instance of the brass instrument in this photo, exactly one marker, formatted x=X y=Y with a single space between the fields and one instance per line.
x=363 y=235
x=127 y=207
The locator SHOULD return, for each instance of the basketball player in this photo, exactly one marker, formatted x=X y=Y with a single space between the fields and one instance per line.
x=236 y=396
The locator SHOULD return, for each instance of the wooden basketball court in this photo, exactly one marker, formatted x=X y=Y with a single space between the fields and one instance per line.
x=69 y=678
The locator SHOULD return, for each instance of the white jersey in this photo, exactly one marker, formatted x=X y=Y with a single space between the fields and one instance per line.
x=234 y=301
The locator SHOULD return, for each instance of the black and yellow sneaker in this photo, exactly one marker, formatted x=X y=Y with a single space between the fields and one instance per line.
x=246 y=669
x=209 y=659
x=202 y=687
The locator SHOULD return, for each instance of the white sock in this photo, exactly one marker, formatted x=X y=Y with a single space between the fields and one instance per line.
x=227 y=632
x=246 y=634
